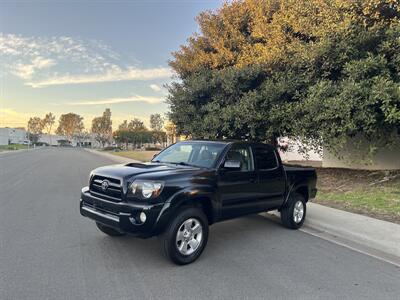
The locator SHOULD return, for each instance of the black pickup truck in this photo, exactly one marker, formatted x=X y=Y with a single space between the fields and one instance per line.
x=191 y=185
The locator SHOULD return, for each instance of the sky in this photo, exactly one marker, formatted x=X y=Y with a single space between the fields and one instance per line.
x=86 y=56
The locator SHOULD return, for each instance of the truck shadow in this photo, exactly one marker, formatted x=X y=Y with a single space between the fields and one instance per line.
x=238 y=235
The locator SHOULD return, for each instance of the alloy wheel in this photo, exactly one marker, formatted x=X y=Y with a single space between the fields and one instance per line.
x=189 y=236
x=298 y=211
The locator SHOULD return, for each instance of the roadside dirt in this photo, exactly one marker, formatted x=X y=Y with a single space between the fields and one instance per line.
x=347 y=181
x=371 y=193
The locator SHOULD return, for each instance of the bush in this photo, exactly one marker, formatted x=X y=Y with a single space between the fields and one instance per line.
x=112 y=148
x=154 y=148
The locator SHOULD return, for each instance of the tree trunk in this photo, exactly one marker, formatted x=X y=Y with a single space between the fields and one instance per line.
x=274 y=142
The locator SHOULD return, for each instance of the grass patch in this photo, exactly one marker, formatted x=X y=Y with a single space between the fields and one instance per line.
x=136 y=155
x=372 y=193
x=12 y=147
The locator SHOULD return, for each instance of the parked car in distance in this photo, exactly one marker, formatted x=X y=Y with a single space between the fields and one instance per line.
x=191 y=185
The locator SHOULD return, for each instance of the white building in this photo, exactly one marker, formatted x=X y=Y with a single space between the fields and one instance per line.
x=12 y=136
x=355 y=156
x=294 y=152
x=51 y=139
x=56 y=140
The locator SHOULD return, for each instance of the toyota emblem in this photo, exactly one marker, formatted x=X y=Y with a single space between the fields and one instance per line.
x=104 y=185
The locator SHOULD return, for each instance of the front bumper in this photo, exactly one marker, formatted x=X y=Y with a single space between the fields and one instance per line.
x=121 y=215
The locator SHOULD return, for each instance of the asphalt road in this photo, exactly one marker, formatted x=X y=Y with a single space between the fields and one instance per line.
x=48 y=251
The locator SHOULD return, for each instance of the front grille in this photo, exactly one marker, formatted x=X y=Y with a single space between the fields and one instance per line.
x=113 y=191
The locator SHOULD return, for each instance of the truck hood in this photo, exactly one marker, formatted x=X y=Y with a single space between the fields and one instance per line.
x=133 y=169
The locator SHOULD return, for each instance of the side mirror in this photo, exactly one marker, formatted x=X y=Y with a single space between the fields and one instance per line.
x=232 y=164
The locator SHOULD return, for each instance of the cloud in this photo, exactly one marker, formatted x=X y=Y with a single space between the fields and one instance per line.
x=155 y=87
x=114 y=74
x=49 y=61
x=11 y=118
x=136 y=98
x=26 y=71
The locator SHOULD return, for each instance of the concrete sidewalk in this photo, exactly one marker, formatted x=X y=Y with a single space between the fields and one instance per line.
x=377 y=234
x=371 y=236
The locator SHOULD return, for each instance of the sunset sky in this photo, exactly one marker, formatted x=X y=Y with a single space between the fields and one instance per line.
x=86 y=56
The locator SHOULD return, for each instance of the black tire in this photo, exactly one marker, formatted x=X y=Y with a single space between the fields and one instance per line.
x=169 y=241
x=109 y=231
x=287 y=212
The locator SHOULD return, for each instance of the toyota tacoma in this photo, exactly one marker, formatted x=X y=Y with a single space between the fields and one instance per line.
x=191 y=185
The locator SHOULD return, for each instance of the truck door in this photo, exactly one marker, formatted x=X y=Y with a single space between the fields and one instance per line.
x=238 y=187
x=271 y=181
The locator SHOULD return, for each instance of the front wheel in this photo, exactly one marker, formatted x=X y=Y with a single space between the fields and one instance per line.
x=294 y=213
x=186 y=236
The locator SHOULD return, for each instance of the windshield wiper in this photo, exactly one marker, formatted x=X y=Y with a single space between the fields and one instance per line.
x=182 y=163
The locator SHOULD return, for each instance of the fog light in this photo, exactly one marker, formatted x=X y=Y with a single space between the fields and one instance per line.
x=142 y=217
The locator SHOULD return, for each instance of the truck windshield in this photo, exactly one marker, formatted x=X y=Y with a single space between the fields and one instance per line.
x=192 y=154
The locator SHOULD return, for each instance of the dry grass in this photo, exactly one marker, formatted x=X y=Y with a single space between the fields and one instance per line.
x=136 y=155
x=373 y=193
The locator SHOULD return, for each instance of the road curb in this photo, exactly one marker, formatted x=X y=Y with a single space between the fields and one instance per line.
x=117 y=159
x=22 y=150
x=374 y=237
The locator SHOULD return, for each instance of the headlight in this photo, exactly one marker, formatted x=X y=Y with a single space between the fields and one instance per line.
x=148 y=189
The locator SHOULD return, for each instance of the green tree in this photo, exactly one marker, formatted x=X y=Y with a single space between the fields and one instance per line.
x=69 y=125
x=122 y=136
x=156 y=122
x=137 y=138
x=321 y=71
x=136 y=125
x=102 y=127
x=35 y=129
x=47 y=123
x=123 y=125
x=134 y=132
x=158 y=137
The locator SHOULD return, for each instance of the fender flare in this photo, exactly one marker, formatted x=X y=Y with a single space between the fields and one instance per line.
x=292 y=189
x=181 y=198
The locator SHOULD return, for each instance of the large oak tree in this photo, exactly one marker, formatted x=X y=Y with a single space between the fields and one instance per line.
x=318 y=70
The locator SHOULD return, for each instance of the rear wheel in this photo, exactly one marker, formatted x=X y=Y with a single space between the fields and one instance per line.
x=186 y=236
x=109 y=231
x=294 y=213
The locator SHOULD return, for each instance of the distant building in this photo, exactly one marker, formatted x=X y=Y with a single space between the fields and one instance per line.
x=12 y=136
x=21 y=136
x=60 y=140
x=51 y=139
x=294 y=153
x=385 y=157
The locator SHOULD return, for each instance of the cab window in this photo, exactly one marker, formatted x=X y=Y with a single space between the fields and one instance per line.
x=243 y=155
x=265 y=158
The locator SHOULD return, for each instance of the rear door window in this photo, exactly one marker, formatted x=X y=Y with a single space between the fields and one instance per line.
x=265 y=158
